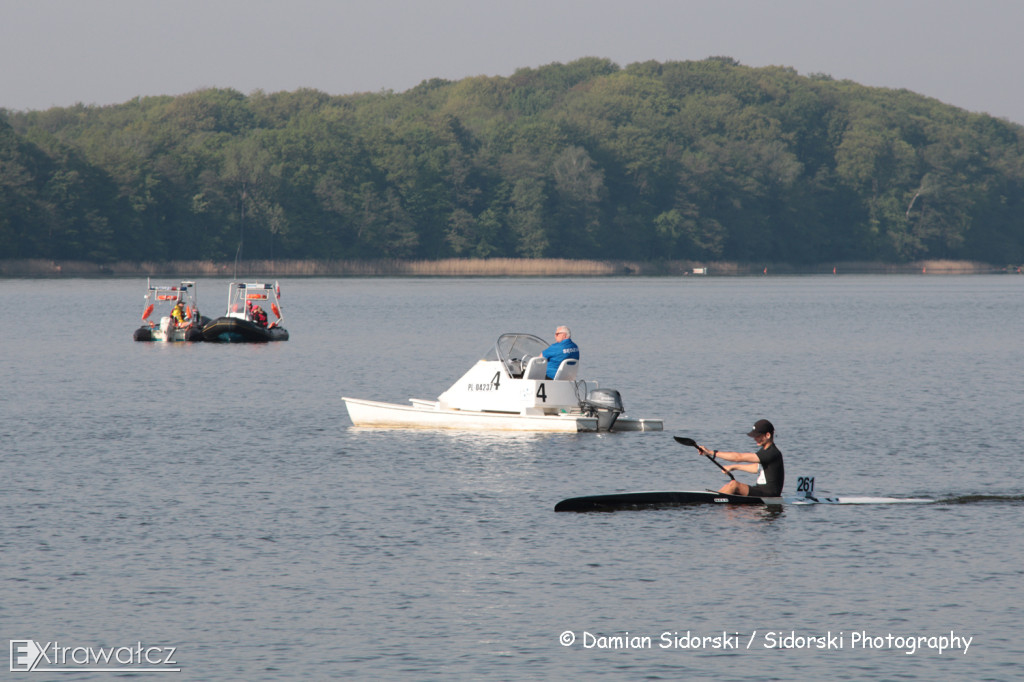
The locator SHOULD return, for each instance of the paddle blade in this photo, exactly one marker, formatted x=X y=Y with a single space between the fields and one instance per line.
x=686 y=441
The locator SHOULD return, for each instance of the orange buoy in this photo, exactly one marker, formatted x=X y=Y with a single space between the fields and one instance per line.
x=277 y=312
x=148 y=312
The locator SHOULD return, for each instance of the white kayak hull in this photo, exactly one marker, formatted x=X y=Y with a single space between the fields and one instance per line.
x=798 y=499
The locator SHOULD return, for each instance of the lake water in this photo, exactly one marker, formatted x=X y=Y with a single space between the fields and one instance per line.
x=216 y=499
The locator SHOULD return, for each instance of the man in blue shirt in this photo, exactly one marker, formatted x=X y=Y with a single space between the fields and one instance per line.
x=562 y=348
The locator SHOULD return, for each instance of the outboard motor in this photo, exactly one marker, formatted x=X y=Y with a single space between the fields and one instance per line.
x=606 y=405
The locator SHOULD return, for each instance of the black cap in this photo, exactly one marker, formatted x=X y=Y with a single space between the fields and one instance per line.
x=761 y=427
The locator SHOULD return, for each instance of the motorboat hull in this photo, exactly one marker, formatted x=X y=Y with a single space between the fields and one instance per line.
x=422 y=414
x=237 y=330
x=146 y=333
x=428 y=414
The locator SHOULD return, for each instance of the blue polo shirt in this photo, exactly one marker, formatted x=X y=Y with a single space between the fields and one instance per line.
x=557 y=352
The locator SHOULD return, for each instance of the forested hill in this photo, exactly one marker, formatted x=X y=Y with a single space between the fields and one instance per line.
x=683 y=160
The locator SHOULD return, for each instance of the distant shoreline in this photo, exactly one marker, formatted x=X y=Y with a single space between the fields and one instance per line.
x=476 y=267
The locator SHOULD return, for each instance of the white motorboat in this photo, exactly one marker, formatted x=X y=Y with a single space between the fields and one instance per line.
x=509 y=390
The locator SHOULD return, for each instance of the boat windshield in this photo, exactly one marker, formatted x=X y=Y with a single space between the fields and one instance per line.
x=512 y=348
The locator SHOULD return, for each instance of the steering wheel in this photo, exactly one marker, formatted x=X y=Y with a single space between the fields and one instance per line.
x=517 y=366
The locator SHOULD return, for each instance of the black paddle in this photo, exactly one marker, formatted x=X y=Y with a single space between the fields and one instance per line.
x=693 y=444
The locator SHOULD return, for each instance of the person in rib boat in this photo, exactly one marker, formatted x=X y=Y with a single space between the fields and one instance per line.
x=766 y=462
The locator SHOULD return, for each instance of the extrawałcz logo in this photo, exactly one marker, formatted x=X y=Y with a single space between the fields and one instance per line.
x=28 y=655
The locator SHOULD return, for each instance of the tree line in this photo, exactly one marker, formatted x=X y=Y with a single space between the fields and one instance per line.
x=695 y=160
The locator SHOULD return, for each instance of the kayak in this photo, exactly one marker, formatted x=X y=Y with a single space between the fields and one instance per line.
x=663 y=499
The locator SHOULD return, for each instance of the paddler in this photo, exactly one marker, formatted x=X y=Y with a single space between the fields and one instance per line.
x=767 y=460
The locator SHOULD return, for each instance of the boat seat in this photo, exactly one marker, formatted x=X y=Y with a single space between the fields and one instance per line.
x=536 y=368
x=567 y=370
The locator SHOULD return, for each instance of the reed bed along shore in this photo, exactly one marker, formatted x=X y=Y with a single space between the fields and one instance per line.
x=470 y=267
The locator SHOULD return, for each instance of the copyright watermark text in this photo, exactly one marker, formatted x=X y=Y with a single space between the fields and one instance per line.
x=908 y=644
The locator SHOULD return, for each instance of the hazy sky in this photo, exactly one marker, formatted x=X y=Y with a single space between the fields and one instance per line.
x=968 y=53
